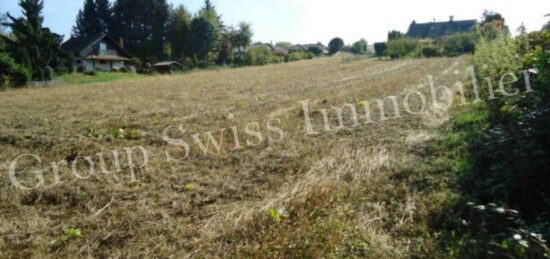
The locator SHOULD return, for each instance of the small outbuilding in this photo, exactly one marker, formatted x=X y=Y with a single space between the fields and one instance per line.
x=168 y=67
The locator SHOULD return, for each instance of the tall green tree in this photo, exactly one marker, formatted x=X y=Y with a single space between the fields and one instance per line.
x=360 y=47
x=402 y=47
x=209 y=12
x=335 y=45
x=394 y=35
x=142 y=24
x=204 y=38
x=34 y=47
x=179 y=31
x=105 y=15
x=380 y=48
x=3 y=29
x=3 y=20
x=242 y=37
x=87 y=21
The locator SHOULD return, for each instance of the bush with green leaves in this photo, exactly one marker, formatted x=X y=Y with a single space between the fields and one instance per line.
x=431 y=51
x=493 y=58
x=257 y=56
x=403 y=47
x=300 y=55
x=507 y=157
x=315 y=50
x=11 y=73
x=360 y=47
x=380 y=49
x=539 y=38
x=458 y=44
x=49 y=74
x=274 y=59
x=492 y=231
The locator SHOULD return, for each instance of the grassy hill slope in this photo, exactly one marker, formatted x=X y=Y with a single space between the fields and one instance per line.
x=368 y=190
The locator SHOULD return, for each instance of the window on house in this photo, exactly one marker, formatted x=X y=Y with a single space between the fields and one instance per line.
x=102 y=46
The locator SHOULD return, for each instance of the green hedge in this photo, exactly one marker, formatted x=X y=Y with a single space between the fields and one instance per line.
x=506 y=174
x=12 y=74
x=300 y=55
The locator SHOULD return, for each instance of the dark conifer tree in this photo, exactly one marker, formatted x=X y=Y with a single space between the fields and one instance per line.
x=179 y=32
x=105 y=15
x=142 y=24
x=31 y=45
x=87 y=21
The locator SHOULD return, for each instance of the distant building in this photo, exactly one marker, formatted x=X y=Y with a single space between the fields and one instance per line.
x=435 y=30
x=97 y=53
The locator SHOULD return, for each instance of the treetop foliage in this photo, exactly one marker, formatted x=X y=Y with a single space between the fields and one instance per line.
x=360 y=47
x=32 y=46
x=335 y=45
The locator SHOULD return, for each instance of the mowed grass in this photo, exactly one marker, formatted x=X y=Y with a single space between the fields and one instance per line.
x=366 y=191
x=99 y=77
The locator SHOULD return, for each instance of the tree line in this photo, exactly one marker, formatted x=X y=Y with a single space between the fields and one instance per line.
x=153 y=30
x=399 y=45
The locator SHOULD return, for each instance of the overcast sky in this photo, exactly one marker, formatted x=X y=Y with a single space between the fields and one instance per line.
x=309 y=21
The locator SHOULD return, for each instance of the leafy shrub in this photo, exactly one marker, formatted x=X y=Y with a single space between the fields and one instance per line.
x=146 y=68
x=380 y=48
x=492 y=231
x=360 y=47
x=274 y=59
x=124 y=70
x=458 y=44
x=12 y=74
x=316 y=50
x=541 y=39
x=431 y=51
x=258 y=56
x=90 y=73
x=300 y=55
x=48 y=73
x=507 y=160
x=493 y=58
x=296 y=56
x=403 y=47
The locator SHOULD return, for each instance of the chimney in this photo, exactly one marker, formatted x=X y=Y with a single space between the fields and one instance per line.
x=451 y=18
x=121 y=42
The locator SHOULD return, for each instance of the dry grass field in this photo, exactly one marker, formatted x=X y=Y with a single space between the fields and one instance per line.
x=364 y=191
